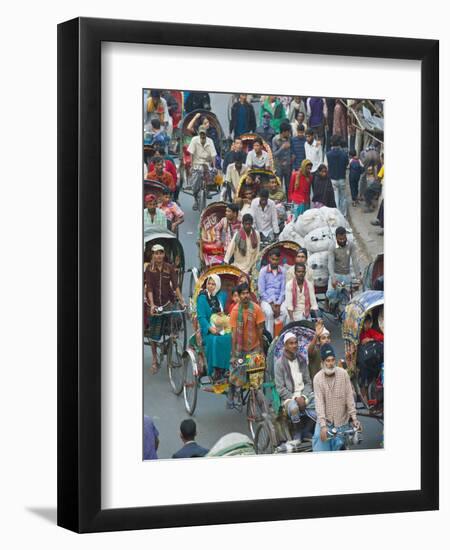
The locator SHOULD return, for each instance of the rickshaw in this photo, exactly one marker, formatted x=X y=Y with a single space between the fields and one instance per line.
x=255 y=179
x=370 y=301
x=373 y=274
x=288 y=252
x=212 y=183
x=210 y=251
x=158 y=189
x=247 y=144
x=194 y=357
x=174 y=332
x=275 y=433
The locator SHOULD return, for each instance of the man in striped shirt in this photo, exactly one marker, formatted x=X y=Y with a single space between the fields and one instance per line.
x=335 y=404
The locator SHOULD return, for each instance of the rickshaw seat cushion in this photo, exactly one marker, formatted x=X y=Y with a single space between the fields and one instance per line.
x=212 y=248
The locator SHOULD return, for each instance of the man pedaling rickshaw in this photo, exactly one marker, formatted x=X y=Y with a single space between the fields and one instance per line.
x=247 y=325
x=161 y=281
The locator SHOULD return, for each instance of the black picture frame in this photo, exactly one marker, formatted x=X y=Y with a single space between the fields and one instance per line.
x=79 y=274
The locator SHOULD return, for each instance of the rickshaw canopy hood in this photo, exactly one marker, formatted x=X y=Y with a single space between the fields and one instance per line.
x=356 y=311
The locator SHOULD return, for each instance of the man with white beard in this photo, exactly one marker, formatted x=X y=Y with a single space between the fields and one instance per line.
x=335 y=404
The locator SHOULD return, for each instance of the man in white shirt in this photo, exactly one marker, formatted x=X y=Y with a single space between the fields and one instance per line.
x=313 y=150
x=244 y=246
x=300 y=298
x=258 y=157
x=294 y=386
x=203 y=154
x=265 y=216
x=235 y=171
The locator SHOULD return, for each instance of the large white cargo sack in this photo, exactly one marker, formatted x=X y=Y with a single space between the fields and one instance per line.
x=318 y=263
x=310 y=220
x=319 y=240
x=289 y=234
x=332 y=217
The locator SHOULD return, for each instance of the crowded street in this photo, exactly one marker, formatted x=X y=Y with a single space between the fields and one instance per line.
x=216 y=412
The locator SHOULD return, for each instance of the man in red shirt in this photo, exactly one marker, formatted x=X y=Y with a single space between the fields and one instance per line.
x=161 y=175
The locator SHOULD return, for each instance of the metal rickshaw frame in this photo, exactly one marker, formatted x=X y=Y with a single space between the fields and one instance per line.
x=169 y=343
x=185 y=139
x=276 y=427
x=355 y=313
x=195 y=364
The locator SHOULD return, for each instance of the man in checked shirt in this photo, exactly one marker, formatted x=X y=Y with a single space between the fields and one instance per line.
x=335 y=405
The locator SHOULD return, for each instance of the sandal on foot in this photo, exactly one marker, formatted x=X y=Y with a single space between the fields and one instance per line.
x=154 y=368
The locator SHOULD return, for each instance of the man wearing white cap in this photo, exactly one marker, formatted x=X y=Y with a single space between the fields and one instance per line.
x=294 y=386
x=161 y=288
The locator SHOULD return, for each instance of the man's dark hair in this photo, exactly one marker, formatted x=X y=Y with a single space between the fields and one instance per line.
x=341 y=231
x=264 y=194
x=234 y=289
x=188 y=429
x=309 y=132
x=335 y=140
x=301 y=127
x=233 y=207
x=157 y=160
x=303 y=251
x=247 y=218
x=353 y=153
x=258 y=140
x=284 y=126
x=242 y=288
x=239 y=156
x=275 y=252
x=156 y=123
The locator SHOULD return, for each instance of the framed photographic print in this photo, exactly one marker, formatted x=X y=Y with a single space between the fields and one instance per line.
x=240 y=293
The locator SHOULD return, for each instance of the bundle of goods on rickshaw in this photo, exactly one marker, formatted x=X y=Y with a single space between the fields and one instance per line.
x=316 y=218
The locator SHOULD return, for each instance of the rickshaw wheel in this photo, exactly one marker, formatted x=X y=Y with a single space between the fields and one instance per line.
x=190 y=384
x=265 y=439
x=256 y=409
x=175 y=366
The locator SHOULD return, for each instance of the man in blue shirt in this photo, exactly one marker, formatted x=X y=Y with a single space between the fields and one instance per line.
x=271 y=286
x=151 y=439
x=243 y=119
x=337 y=167
x=298 y=147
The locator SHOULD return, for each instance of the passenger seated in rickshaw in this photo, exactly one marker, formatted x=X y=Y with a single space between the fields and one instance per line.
x=228 y=225
x=300 y=258
x=370 y=354
x=278 y=196
x=173 y=213
x=320 y=338
x=271 y=288
x=153 y=216
x=213 y=322
x=244 y=246
x=300 y=298
x=293 y=383
x=245 y=204
x=161 y=175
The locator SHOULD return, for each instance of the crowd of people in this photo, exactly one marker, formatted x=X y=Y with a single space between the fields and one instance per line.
x=315 y=151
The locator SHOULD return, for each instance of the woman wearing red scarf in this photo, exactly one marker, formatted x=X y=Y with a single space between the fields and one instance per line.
x=300 y=187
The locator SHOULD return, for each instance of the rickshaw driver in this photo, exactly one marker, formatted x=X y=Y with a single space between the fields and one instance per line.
x=294 y=385
x=339 y=257
x=335 y=404
x=247 y=325
x=161 y=288
x=203 y=155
